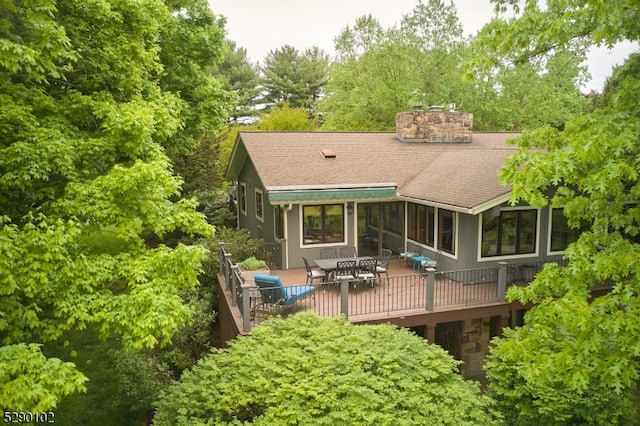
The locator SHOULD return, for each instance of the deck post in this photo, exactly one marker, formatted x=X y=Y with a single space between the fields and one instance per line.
x=225 y=268
x=344 y=298
x=234 y=284
x=502 y=280
x=430 y=277
x=246 y=307
x=221 y=255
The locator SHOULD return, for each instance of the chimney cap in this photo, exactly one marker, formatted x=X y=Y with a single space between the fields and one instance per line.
x=435 y=108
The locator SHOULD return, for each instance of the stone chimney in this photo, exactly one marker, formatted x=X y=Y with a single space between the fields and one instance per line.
x=434 y=126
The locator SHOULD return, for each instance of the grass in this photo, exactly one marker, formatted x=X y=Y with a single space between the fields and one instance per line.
x=104 y=403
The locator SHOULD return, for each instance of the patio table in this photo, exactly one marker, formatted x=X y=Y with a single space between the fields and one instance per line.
x=330 y=265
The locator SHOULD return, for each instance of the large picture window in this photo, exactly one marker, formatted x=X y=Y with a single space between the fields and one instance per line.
x=561 y=233
x=420 y=225
x=323 y=223
x=512 y=232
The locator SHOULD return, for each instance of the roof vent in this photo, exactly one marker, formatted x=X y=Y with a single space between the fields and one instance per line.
x=328 y=153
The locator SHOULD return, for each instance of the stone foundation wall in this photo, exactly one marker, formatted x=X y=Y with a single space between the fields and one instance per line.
x=476 y=334
x=434 y=126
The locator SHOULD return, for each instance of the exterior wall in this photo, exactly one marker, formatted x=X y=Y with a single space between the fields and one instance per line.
x=468 y=245
x=468 y=235
x=294 y=245
x=249 y=178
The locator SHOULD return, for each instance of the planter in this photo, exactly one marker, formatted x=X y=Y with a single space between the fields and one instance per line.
x=248 y=275
x=511 y=274
x=527 y=272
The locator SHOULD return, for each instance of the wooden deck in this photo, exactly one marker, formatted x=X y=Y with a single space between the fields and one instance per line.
x=404 y=293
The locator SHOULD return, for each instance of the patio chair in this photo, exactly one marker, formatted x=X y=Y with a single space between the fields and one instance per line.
x=313 y=273
x=328 y=253
x=274 y=295
x=349 y=251
x=427 y=262
x=383 y=263
x=345 y=271
x=367 y=270
x=407 y=255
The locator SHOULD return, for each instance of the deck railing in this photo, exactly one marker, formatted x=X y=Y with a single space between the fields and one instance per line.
x=384 y=295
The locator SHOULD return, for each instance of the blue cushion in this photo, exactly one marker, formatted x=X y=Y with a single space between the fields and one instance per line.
x=271 y=279
x=275 y=292
x=297 y=292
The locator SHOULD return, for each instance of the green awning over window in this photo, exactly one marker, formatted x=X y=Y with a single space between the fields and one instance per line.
x=298 y=195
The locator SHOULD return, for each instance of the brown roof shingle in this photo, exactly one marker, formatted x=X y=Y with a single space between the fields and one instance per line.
x=458 y=174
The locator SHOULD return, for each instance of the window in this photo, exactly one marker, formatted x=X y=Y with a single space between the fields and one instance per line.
x=243 y=198
x=421 y=223
x=391 y=214
x=259 y=205
x=323 y=224
x=446 y=231
x=561 y=233
x=279 y=222
x=511 y=233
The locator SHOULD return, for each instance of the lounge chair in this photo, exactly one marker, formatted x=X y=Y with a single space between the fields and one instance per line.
x=274 y=295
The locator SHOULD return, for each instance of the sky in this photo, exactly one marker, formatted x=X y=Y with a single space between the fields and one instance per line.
x=260 y=26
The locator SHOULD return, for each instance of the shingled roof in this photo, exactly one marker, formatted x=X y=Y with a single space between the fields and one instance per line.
x=462 y=176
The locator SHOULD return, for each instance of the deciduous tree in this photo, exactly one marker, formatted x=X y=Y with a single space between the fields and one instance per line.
x=576 y=359
x=380 y=72
x=88 y=112
x=309 y=370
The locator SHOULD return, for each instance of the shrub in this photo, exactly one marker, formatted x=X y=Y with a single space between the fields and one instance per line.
x=325 y=371
x=253 y=264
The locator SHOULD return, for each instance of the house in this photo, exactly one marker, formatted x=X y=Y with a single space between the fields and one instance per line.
x=431 y=187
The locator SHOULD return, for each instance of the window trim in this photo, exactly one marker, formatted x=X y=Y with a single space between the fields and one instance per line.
x=535 y=253
x=436 y=232
x=323 y=244
x=243 y=198
x=259 y=191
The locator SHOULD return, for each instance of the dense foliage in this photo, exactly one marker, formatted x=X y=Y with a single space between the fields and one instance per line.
x=576 y=360
x=93 y=97
x=309 y=370
x=425 y=60
x=294 y=77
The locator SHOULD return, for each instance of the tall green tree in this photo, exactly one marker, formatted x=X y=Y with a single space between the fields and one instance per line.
x=310 y=370
x=294 y=77
x=240 y=77
x=576 y=360
x=380 y=72
x=89 y=109
x=288 y=119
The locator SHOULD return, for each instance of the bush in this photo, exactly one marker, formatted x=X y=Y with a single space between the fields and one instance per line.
x=238 y=242
x=325 y=371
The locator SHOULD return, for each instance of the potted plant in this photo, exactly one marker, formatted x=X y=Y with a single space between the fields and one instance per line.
x=252 y=266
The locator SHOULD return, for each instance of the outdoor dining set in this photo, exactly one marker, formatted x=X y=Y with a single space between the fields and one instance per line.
x=339 y=266
x=346 y=265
